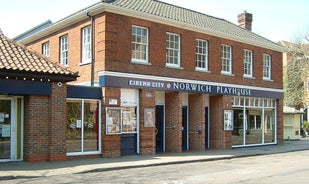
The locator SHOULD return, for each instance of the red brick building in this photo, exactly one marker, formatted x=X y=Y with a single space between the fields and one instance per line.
x=172 y=79
x=33 y=95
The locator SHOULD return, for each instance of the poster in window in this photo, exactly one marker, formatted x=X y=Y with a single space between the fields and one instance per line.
x=6 y=131
x=149 y=117
x=2 y=117
x=228 y=120
x=128 y=120
x=113 y=120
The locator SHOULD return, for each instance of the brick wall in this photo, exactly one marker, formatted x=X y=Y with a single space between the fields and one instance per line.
x=218 y=137
x=280 y=121
x=113 y=52
x=147 y=134
x=173 y=122
x=196 y=119
x=57 y=122
x=35 y=128
x=44 y=126
x=110 y=143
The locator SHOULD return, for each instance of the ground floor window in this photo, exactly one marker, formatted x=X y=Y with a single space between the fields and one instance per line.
x=254 y=121
x=83 y=126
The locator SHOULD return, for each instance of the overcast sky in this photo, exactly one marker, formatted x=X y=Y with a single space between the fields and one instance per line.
x=273 y=19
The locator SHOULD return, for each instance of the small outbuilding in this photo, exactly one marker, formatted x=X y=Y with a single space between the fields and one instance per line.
x=292 y=119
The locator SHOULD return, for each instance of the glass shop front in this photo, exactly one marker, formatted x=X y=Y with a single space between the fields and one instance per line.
x=255 y=121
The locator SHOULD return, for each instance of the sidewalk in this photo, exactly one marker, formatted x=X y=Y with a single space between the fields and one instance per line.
x=11 y=170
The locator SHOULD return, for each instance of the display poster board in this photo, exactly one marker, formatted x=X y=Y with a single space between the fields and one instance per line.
x=128 y=121
x=149 y=117
x=228 y=120
x=113 y=120
x=6 y=131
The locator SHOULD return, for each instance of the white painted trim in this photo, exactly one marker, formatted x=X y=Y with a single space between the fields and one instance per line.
x=151 y=77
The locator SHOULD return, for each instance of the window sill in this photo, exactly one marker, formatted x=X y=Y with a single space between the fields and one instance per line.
x=85 y=63
x=173 y=66
x=203 y=70
x=140 y=62
x=227 y=74
x=248 y=77
x=267 y=80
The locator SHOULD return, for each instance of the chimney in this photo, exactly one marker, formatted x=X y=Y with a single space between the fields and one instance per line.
x=245 y=20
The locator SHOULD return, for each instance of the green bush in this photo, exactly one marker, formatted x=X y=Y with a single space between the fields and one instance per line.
x=306 y=124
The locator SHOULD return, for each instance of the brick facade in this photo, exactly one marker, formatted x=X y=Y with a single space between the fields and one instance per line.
x=111 y=143
x=44 y=133
x=113 y=53
x=197 y=119
x=115 y=38
x=147 y=134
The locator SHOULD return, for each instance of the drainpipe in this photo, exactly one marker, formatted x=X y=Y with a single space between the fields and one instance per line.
x=92 y=48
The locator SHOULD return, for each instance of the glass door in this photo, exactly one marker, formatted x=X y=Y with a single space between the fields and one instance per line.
x=5 y=129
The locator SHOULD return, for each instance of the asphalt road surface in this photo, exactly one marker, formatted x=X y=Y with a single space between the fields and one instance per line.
x=285 y=168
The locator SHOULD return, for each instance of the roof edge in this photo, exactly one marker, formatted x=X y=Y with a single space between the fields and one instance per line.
x=100 y=7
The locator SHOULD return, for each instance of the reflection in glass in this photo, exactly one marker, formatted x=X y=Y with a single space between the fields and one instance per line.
x=82 y=126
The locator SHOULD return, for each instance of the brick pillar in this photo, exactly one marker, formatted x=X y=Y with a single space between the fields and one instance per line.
x=196 y=119
x=147 y=134
x=219 y=138
x=36 y=128
x=56 y=124
x=173 y=122
x=280 y=121
x=111 y=144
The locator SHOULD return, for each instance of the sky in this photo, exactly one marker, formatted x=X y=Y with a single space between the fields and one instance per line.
x=273 y=19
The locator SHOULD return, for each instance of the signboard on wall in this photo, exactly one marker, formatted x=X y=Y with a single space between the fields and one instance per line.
x=189 y=86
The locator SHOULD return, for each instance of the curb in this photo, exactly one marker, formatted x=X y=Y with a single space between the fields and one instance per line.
x=13 y=177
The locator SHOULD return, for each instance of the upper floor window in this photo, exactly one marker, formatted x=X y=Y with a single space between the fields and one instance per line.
x=64 y=50
x=201 y=54
x=172 y=50
x=45 y=49
x=248 y=63
x=139 y=44
x=266 y=67
x=226 y=59
x=86 y=45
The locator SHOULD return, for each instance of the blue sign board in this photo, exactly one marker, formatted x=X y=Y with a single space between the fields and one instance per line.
x=189 y=87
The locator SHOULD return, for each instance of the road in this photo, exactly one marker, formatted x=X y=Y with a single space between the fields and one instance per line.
x=285 y=168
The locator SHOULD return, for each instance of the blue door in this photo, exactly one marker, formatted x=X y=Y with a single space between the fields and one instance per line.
x=128 y=144
x=159 y=128
x=185 y=128
x=206 y=128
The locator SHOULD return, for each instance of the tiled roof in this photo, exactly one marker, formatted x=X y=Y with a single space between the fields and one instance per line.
x=190 y=17
x=165 y=13
x=15 y=58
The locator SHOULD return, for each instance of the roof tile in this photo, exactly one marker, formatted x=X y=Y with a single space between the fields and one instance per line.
x=191 y=17
x=16 y=57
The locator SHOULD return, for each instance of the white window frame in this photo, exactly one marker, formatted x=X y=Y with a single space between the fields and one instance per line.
x=248 y=66
x=266 y=67
x=226 y=59
x=83 y=152
x=201 y=54
x=64 y=50
x=46 y=49
x=139 y=44
x=173 y=50
x=86 y=45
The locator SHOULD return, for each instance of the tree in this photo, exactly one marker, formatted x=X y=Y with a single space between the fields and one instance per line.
x=297 y=73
